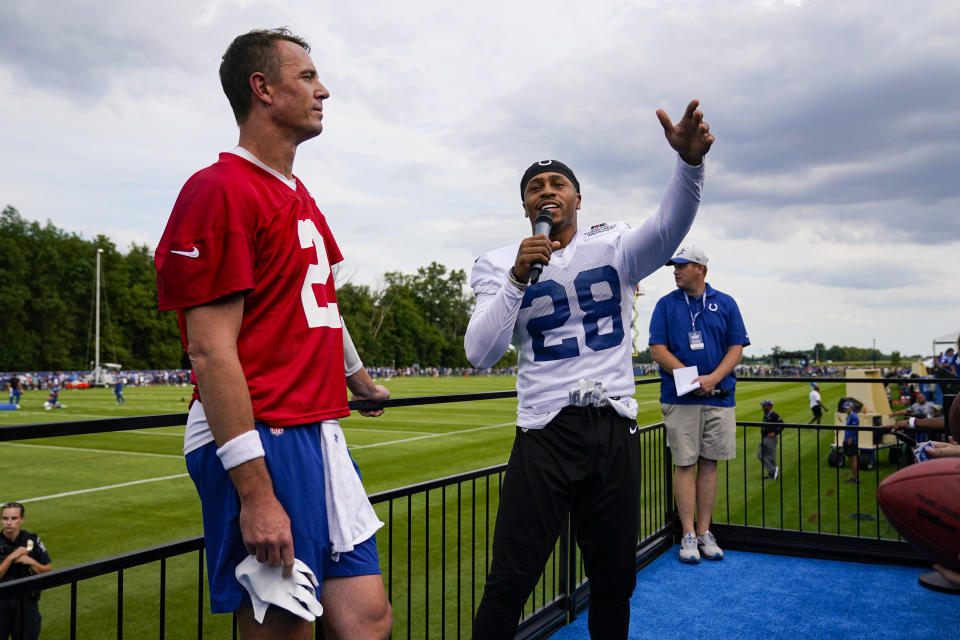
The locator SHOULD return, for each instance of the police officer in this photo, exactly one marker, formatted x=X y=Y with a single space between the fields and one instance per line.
x=22 y=554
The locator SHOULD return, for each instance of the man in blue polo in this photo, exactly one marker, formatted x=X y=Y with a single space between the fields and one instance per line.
x=696 y=325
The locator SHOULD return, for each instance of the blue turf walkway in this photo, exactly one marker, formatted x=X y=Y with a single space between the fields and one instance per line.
x=757 y=596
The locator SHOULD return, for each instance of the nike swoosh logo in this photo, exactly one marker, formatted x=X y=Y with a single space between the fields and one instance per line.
x=633 y=429
x=193 y=253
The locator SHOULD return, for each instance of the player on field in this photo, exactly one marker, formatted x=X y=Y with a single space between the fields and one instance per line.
x=576 y=448
x=118 y=390
x=246 y=260
x=53 y=399
x=16 y=389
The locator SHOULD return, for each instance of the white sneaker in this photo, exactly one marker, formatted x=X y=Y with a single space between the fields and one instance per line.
x=776 y=473
x=688 y=549
x=708 y=546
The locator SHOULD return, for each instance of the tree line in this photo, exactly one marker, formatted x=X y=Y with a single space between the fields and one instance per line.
x=47 y=292
x=47 y=310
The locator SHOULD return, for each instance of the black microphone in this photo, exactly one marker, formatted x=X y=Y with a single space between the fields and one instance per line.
x=541 y=227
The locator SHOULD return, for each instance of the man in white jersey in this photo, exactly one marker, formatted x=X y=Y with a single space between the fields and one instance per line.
x=576 y=448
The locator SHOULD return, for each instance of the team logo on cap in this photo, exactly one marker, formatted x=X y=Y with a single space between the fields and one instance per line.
x=544 y=163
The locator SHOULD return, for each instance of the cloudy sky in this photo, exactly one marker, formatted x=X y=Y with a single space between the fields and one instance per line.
x=830 y=209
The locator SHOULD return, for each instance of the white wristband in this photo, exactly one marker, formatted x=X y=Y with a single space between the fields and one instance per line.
x=912 y=422
x=244 y=448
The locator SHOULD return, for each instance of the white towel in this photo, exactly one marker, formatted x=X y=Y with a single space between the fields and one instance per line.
x=266 y=585
x=350 y=516
x=625 y=407
x=592 y=392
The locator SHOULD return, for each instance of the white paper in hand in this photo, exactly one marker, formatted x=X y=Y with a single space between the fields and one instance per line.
x=683 y=379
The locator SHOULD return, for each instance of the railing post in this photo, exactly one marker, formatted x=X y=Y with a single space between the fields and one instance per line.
x=673 y=517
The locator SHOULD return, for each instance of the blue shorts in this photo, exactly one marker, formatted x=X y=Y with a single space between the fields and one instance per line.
x=294 y=459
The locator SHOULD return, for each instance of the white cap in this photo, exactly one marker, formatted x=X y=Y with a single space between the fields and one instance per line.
x=689 y=253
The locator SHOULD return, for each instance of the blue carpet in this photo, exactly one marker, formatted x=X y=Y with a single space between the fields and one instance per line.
x=750 y=596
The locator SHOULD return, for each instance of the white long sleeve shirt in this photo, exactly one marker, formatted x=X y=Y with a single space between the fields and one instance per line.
x=575 y=322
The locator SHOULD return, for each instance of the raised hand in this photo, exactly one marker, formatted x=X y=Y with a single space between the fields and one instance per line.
x=690 y=137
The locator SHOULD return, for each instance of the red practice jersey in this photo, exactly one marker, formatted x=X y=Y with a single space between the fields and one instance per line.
x=237 y=228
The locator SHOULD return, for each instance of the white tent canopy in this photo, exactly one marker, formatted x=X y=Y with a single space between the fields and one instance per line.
x=950 y=338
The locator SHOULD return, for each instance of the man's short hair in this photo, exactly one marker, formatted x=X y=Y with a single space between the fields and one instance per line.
x=13 y=505
x=247 y=54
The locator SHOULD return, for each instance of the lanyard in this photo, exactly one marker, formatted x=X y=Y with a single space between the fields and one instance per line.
x=694 y=316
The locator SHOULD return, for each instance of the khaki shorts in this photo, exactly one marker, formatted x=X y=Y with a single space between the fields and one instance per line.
x=695 y=430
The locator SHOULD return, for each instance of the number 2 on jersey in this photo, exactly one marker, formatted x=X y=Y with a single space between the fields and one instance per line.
x=317 y=316
x=593 y=311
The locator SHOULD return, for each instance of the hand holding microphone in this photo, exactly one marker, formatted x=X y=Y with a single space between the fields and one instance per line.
x=542 y=225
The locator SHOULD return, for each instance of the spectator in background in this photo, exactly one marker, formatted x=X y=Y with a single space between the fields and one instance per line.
x=816 y=403
x=770 y=433
x=851 y=448
x=919 y=409
x=696 y=325
x=946 y=361
x=22 y=554
x=941 y=423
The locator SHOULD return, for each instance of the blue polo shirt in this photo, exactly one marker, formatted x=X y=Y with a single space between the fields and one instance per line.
x=720 y=325
x=853 y=420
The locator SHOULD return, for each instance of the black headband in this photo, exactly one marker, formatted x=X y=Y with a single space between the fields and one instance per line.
x=547 y=166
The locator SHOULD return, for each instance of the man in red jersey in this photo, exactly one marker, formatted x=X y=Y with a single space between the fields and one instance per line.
x=246 y=260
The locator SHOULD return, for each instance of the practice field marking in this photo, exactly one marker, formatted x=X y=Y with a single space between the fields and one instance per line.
x=434 y=435
x=65 y=414
x=109 y=486
x=153 y=433
x=386 y=430
x=123 y=453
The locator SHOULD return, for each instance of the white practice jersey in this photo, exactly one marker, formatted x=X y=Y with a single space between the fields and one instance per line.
x=575 y=322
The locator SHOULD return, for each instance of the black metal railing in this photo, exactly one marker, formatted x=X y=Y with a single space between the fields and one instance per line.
x=435 y=588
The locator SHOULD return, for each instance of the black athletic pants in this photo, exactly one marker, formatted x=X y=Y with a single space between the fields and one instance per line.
x=585 y=462
x=19 y=619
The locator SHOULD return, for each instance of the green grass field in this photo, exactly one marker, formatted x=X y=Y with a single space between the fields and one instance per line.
x=96 y=496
